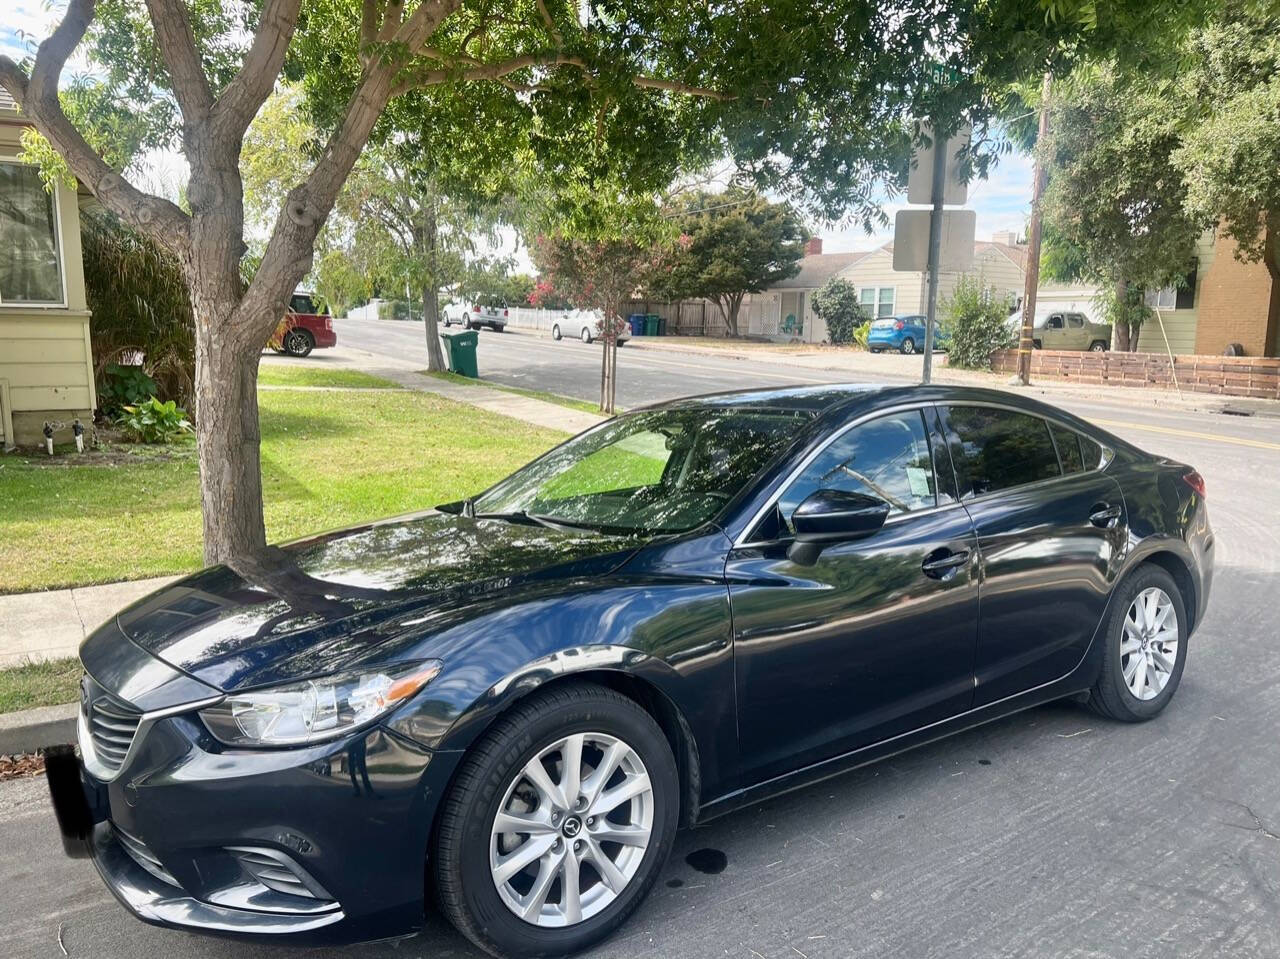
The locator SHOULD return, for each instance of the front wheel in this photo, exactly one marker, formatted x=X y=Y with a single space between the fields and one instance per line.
x=558 y=824
x=1145 y=648
x=908 y=346
x=586 y=335
x=555 y=331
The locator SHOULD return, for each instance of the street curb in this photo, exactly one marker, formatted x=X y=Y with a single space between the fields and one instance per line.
x=30 y=729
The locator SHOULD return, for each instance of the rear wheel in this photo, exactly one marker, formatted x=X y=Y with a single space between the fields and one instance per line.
x=1146 y=648
x=908 y=346
x=555 y=331
x=298 y=342
x=558 y=823
x=1097 y=346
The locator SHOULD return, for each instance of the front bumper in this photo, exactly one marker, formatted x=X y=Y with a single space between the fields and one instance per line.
x=324 y=844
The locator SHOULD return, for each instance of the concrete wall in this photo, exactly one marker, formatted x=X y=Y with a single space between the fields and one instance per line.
x=46 y=363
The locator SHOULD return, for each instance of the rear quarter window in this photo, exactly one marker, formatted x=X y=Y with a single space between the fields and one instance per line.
x=1068 y=443
x=996 y=449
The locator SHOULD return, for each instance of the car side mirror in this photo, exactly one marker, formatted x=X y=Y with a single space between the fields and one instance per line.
x=830 y=516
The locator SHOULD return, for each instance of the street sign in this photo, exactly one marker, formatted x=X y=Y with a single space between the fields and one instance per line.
x=911 y=240
x=941 y=75
x=920 y=178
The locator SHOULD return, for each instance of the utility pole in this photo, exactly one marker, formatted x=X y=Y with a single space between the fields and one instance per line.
x=1033 y=245
x=935 y=245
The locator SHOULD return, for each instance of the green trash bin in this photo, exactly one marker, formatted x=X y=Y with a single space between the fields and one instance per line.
x=651 y=324
x=460 y=350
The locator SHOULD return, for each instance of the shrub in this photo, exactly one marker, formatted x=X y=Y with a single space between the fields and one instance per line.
x=978 y=324
x=153 y=421
x=837 y=304
x=123 y=386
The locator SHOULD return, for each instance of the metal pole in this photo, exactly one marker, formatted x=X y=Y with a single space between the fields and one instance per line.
x=935 y=245
x=1025 y=341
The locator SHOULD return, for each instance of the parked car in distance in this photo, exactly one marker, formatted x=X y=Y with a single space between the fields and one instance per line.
x=904 y=333
x=474 y=314
x=584 y=325
x=1066 y=330
x=305 y=327
x=513 y=700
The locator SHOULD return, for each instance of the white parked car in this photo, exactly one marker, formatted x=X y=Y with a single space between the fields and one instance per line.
x=582 y=325
x=473 y=314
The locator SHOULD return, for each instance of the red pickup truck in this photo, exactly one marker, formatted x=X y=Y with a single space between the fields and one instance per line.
x=303 y=328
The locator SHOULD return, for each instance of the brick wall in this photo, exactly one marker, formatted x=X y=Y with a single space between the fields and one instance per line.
x=1238 y=303
x=1228 y=375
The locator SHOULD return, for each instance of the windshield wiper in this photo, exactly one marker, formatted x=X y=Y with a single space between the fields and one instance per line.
x=523 y=516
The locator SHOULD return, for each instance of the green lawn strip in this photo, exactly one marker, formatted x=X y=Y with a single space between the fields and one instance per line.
x=584 y=406
x=275 y=374
x=39 y=684
x=329 y=459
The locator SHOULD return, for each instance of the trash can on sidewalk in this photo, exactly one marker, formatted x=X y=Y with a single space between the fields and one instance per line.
x=651 y=324
x=662 y=326
x=636 y=322
x=460 y=351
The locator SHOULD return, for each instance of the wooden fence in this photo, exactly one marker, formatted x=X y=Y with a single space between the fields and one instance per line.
x=1228 y=375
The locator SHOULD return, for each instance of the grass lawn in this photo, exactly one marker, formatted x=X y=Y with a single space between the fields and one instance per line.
x=39 y=684
x=328 y=459
x=584 y=406
x=277 y=374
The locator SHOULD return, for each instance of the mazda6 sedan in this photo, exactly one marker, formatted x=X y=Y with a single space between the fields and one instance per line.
x=507 y=705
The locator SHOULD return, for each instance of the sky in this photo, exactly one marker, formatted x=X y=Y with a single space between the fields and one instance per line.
x=1002 y=202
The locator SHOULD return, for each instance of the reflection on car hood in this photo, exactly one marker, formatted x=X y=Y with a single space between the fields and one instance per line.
x=317 y=605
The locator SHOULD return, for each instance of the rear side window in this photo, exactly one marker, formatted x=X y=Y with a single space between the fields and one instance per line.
x=999 y=449
x=1091 y=451
x=1068 y=442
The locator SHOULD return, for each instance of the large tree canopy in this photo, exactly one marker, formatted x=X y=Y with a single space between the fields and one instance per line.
x=814 y=98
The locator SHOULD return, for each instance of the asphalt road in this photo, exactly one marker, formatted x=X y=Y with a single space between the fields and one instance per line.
x=1052 y=833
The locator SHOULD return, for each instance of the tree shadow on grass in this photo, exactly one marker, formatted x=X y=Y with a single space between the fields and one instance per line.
x=282 y=424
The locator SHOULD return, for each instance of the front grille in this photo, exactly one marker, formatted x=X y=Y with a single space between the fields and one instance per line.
x=143 y=856
x=278 y=872
x=111 y=724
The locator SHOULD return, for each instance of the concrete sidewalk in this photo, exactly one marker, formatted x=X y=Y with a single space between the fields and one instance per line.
x=51 y=624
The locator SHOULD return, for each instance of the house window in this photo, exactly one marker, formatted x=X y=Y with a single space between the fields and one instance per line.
x=877 y=301
x=1165 y=299
x=30 y=261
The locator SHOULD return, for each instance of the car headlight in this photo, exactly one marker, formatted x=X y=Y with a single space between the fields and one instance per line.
x=316 y=709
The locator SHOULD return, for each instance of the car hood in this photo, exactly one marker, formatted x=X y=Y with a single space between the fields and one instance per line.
x=322 y=604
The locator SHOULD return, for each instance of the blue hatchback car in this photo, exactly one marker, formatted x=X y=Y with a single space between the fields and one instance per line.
x=903 y=333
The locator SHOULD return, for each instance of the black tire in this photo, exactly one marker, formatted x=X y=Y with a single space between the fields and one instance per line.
x=1036 y=345
x=298 y=342
x=555 y=331
x=446 y=321
x=464 y=883
x=1097 y=346
x=908 y=346
x=1110 y=696
x=874 y=350
x=499 y=328
x=586 y=335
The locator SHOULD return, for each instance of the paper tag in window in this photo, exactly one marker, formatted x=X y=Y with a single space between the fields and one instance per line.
x=919 y=480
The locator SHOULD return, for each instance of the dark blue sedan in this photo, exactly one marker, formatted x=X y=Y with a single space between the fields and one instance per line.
x=903 y=333
x=514 y=700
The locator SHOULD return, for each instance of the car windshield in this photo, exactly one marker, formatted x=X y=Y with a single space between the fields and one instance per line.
x=656 y=471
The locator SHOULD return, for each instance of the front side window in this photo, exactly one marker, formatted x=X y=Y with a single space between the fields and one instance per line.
x=657 y=471
x=998 y=449
x=1055 y=323
x=30 y=265
x=887 y=458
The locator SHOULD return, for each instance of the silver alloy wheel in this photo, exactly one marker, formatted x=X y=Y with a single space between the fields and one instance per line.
x=1149 y=643
x=571 y=830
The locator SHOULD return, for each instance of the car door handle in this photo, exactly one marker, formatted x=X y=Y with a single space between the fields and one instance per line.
x=1105 y=516
x=940 y=562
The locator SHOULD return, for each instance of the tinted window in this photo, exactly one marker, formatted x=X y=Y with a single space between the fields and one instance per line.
x=1055 y=323
x=299 y=303
x=1068 y=442
x=999 y=448
x=1075 y=321
x=1091 y=452
x=886 y=457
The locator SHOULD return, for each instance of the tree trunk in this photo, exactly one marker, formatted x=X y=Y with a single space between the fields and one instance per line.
x=431 y=320
x=1122 y=326
x=729 y=313
x=228 y=439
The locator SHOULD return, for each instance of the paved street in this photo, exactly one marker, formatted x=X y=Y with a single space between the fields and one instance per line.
x=1052 y=833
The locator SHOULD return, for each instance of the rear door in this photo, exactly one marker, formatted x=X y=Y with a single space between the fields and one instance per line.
x=1077 y=332
x=1051 y=532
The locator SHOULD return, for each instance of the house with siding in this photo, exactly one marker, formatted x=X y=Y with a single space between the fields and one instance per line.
x=46 y=364
x=785 y=311
x=1223 y=302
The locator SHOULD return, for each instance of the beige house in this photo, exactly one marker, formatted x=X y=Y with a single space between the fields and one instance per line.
x=46 y=364
x=785 y=310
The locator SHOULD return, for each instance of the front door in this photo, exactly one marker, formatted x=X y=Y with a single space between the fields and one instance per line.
x=876 y=637
x=1052 y=335
x=1051 y=528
